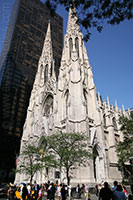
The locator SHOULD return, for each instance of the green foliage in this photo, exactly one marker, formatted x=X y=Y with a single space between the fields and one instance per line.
x=70 y=149
x=93 y=13
x=30 y=163
x=125 y=148
x=33 y=160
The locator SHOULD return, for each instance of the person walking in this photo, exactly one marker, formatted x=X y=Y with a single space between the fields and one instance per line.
x=36 y=190
x=59 y=192
x=63 y=192
x=105 y=192
x=119 y=194
x=114 y=186
x=24 y=192
x=69 y=190
x=78 y=190
x=52 y=192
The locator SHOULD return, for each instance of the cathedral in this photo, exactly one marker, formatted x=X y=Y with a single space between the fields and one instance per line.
x=71 y=104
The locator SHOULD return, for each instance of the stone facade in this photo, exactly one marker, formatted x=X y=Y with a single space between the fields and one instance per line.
x=72 y=105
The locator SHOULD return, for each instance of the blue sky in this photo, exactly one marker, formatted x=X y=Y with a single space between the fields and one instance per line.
x=110 y=54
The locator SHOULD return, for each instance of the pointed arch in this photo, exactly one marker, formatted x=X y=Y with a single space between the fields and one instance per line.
x=104 y=120
x=66 y=101
x=98 y=163
x=77 y=46
x=46 y=73
x=51 y=69
x=114 y=123
x=48 y=105
x=70 y=47
x=41 y=68
x=85 y=100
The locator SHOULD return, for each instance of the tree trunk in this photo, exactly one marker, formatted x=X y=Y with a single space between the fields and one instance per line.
x=67 y=175
x=31 y=179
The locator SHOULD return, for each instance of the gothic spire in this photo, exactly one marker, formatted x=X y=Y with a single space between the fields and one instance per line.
x=72 y=20
x=47 y=47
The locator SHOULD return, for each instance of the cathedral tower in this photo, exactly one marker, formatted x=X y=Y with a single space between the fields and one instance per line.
x=71 y=105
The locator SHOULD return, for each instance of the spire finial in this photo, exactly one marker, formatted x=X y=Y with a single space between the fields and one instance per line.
x=47 y=41
x=108 y=102
x=116 y=107
x=123 y=109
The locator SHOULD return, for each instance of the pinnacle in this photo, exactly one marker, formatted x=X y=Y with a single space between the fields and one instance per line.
x=72 y=20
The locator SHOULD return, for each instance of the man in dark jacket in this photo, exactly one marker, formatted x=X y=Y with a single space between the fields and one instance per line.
x=24 y=192
x=106 y=193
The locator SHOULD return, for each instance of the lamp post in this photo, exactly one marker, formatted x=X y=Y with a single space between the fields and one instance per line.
x=42 y=154
x=131 y=178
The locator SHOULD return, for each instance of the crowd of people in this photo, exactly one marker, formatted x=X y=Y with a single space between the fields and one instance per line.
x=117 y=192
x=49 y=191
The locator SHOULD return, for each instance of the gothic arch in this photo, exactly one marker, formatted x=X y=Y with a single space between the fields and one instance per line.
x=114 y=123
x=70 y=47
x=98 y=163
x=66 y=101
x=48 y=105
x=85 y=93
x=41 y=68
x=46 y=73
x=104 y=120
x=47 y=115
x=51 y=69
x=77 y=46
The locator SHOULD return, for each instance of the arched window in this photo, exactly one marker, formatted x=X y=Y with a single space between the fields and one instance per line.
x=77 y=46
x=70 y=47
x=41 y=67
x=48 y=106
x=66 y=98
x=104 y=120
x=46 y=74
x=51 y=69
x=114 y=123
x=95 y=156
x=85 y=99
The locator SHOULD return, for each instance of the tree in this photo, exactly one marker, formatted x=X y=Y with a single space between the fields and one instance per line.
x=92 y=13
x=70 y=149
x=32 y=160
x=125 y=148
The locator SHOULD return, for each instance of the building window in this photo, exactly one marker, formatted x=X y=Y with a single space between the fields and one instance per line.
x=66 y=97
x=85 y=100
x=77 y=46
x=104 y=120
x=46 y=74
x=51 y=69
x=70 y=47
x=57 y=174
x=41 y=67
x=114 y=123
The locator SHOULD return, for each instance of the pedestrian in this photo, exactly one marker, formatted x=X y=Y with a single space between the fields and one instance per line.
x=59 y=191
x=24 y=192
x=69 y=190
x=29 y=190
x=97 y=190
x=10 y=193
x=86 y=192
x=114 y=186
x=36 y=190
x=78 y=190
x=40 y=193
x=52 y=192
x=105 y=192
x=119 y=193
x=125 y=190
x=63 y=192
